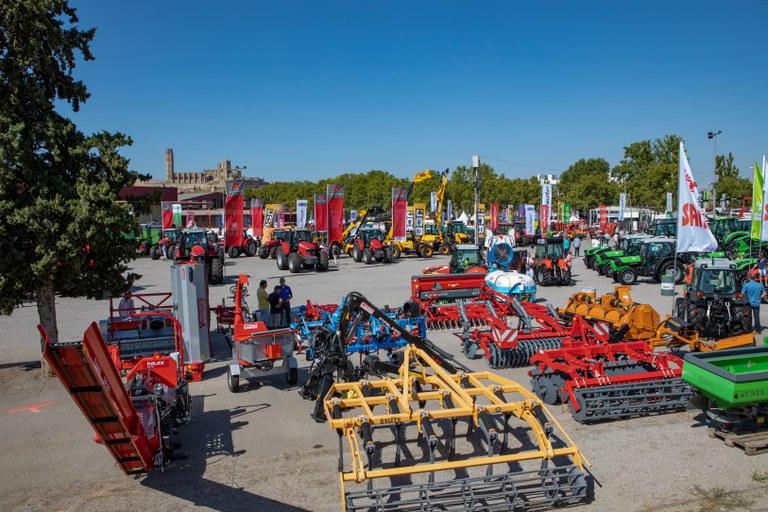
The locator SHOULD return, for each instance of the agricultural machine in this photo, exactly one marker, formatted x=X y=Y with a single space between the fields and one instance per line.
x=656 y=257
x=135 y=418
x=297 y=251
x=550 y=266
x=590 y=252
x=149 y=236
x=465 y=258
x=512 y=454
x=246 y=245
x=197 y=245
x=166 y=245
x=665 y=228
x=629 y=245
x=369 y=246
x=268 y=248
x=256 y=351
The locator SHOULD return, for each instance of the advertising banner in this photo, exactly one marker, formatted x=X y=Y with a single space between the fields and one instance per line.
x=530 y=218
x=546 y=207
x=566 y=213
x=352 y=215
x=622 y=205
x=693 y=232
x=480 y=220
x=301 y=213
x=449 y=210
x=757 y=201
x=399 y=213
x=409 y=219
x=433 y=202
x=603 y=217
x=335 y=196
x=669 y=202
x=281 y=216
x=189 y=222
x=177 y=215
x=418 y=219
x=269 y=216
x=493 y=222
x=233 y=214
x=257 y=217
x=764 y=223
x=321 y=213
x=166 y=208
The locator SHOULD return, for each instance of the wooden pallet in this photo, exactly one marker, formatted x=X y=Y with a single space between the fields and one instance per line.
x=753 y=443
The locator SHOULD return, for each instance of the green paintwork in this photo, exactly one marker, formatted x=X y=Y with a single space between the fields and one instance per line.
x=724 y=390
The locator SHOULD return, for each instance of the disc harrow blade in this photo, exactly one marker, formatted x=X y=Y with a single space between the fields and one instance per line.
x=521 y=354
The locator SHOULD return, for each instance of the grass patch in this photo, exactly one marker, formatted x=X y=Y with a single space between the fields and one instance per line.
x=717 y=499
x=760 y=477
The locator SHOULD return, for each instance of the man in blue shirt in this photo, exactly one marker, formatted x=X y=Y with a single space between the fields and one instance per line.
x=754 y=290
x=286 y=294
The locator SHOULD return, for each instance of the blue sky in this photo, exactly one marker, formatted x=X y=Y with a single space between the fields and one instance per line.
x=306 y=90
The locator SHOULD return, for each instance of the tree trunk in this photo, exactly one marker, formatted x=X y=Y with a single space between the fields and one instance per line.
x=46 y=311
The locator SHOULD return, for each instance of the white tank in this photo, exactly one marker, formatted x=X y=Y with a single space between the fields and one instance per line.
x=511 y=283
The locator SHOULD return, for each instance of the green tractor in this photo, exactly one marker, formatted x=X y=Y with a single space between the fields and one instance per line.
x=663 y=227
x=149 y=236
x=655 y=258
x=591 y=252
x=628 y=246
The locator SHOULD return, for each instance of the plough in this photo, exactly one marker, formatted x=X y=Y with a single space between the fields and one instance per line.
x=608 y=381
x=511 y=453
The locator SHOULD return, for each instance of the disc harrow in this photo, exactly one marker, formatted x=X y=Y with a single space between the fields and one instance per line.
x=610 y=381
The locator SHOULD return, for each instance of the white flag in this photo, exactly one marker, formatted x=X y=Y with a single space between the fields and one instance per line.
x=764 y=220
x=301 y=213
x=622 y=204
x=693 y=232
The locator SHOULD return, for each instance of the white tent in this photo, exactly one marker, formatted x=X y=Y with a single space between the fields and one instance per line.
x=463 y=218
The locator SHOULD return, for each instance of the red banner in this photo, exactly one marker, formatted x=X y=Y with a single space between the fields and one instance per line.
x=544 y=219
x=493 y=225
x=257 y=217
x=321 y=213
x=166 y=208
x=335 y=196
x=603 y=217
x=233 y=214
x=190 y=220
x=399 y=213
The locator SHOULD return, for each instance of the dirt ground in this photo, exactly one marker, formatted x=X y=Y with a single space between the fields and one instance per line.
x=259 y=450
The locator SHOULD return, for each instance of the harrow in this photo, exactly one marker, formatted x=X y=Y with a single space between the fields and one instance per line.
x=610 y=381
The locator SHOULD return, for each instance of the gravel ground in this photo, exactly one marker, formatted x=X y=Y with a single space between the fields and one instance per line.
x=259 y=450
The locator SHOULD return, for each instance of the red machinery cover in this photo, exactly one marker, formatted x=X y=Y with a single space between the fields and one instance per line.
x=399 y=213
x=321 y=213
x=257 y=217
x=335 y=212
x=167 y=209
x=233 y=214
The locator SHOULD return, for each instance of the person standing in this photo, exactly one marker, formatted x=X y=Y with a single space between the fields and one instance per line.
x=754 y=291
x=263 y=298
x=576 y=246
x=125 y=307
x=275 y=308
x=566 y=244
x=286 y=294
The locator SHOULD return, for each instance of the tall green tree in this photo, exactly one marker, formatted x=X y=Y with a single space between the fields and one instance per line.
x=586 y=184
x=729 y=180
x=61 y=228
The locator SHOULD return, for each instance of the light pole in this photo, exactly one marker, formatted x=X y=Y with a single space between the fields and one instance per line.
x=713 y=137
x=476 y=167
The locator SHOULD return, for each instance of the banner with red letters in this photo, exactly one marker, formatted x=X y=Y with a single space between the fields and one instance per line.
x=693 y=232
x=257 y=217
x=399 y=213
x=335 y=197
x=233 y=214
x=321 y=213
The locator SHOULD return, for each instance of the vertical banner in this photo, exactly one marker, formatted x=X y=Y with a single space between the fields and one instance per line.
x=567 y=213
x=493 y=223
x=449 y=210
x=166 y=207
x=189 y=222
x=321 y=213
x=281 y=216
x=335 y=196
x=409 y=220
x=757 y=201
x=603 y=217
x=418 y=219
x=693 y=232
x=257 y=217
x=622 y=205
x=546 y=208
x=480 y=224
x=269 y=216
x=301 y=213
x=433 y=202
x=399 y=213
x=177 y=215
x=352 y=215
x=233 y=214
x=530 y=217
x=669 y=203
x=764 y=223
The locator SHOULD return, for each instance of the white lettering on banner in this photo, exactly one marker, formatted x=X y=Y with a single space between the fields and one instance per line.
x=693 y=232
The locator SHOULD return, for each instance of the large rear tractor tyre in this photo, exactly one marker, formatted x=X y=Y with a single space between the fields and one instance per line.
x=675 y=269
x=680 y=308
x=357 y=254
x=367 y=256
x=388 y=258
x=627 y=277
x=273 y=253
x=322 y=262
x=426 y=251
x=263 y=253
x=282 y=259
x=250 y=249
x=217 y=272
x=154 y=252
x=234 y=252
x=294 y=263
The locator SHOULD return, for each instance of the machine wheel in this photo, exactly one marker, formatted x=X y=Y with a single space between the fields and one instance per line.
x=263 y=253
x=273 y=253
x=395 y=251
x=445 y=249
x=154 y=252
x=234 y=252
x=426 y=251
x=282 y=259
x=367 y=256
x=292 y=377
x=250 y=249
x=233 y=381
x=322 y=262
x=357 y=254
x=615 y=277
x=680 y=308
x=217 y=272
x=388 y=258
x=627 y=276
x=294 y=263
x=676 y=269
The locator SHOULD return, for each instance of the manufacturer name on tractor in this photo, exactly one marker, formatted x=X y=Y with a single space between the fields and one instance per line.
x=752 y=393
x=157 y=364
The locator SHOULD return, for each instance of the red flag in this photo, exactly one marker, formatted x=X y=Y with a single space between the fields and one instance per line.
x=335 y=196
x=399 y=213
x=603 y=217
x=321 y=213
x=166 y=207
x=494 y=223
x=257 y=217
x=233 y=214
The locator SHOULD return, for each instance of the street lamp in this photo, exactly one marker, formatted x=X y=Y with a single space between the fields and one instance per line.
x=476 y=167
x=713 y=137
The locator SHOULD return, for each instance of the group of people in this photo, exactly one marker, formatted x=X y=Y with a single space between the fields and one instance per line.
x=275 y=307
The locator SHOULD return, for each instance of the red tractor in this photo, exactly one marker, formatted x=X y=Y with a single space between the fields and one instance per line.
x=165 y=246
x=551 y=266
x=269 y=247
x=246 y=245
x=197 y=244
x=369 y=246
x=298 y=251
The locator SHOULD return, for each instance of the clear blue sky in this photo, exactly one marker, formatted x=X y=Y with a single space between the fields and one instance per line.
x=305 y=90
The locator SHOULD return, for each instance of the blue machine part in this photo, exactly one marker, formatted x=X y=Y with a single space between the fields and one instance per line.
x=500 y=253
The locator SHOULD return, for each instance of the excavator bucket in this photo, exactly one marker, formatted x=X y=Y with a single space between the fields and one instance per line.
x=429 y=439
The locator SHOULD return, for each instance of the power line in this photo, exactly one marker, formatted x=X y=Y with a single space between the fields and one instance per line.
x=522 y=164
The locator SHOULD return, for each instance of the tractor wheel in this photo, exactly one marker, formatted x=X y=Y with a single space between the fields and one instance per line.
x=388 y=258
x=322 y=261
x=282 y=259
x=744 y=314
x=217 y=272
x=263 y=253
x=627 y=276
x=294 y=263
x=154 y=252
x=357 y=254
x=676 y=269
x=367 y=256
x=680 y=308
x=395 y=252
x=426 y=251
x=292 y=377
x=615 y=277
x=273 y=253
x=445 y=249
x=250 y=249
x=234 y=252
x=233 y=381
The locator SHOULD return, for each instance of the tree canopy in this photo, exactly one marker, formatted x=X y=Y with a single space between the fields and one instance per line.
x=586 y=184
x=729 y=181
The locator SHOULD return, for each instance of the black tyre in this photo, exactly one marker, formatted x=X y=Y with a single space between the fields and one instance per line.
x=445 y=249
x=680 y=308
x=292 y=377
x=250 y=249
x=426 y=251
x=282 y=259
x=674 y=268
x=154 y=252
x=388 y=258
x=294 y=263
x=357 y=254
x=367 y=256
x=273 y=253
x=234 y=252
x=233 y=381
x=627 y=276
x=322 y=261
x=395 y=251
x=263 y=253
x=217 y=272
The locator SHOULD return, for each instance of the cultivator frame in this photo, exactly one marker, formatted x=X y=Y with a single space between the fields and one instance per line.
x=426 y=396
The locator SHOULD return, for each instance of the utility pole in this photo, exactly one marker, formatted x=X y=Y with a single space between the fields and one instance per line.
x=476 y=167
x=713 y=137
